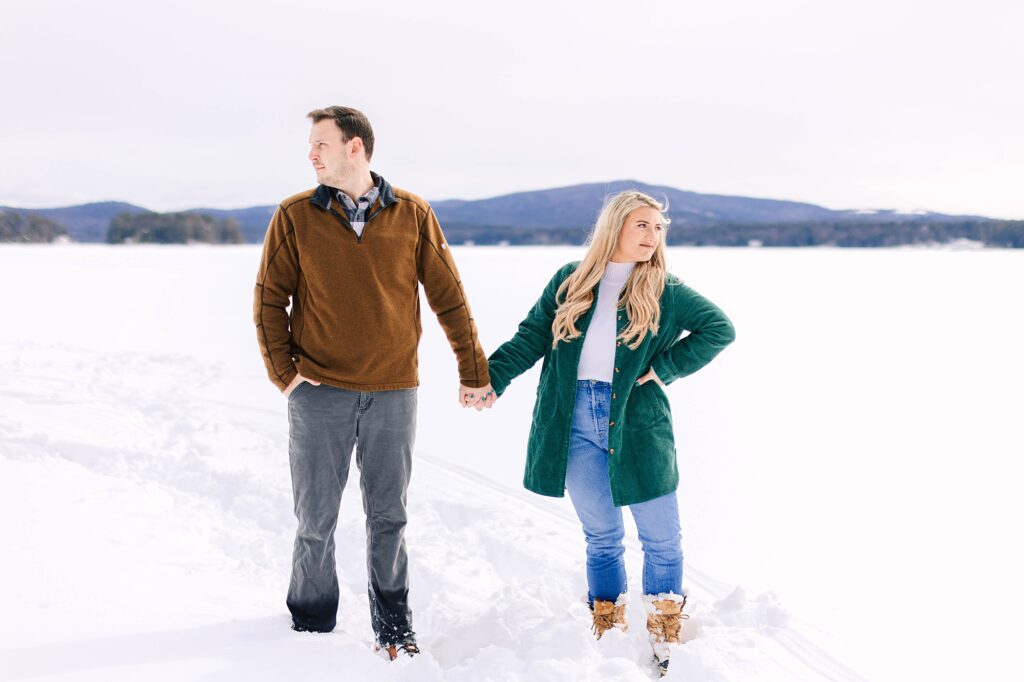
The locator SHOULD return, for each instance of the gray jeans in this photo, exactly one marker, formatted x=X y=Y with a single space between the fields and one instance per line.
x=325 y=423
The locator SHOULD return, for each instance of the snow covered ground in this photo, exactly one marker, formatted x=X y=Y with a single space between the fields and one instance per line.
x=850 y=479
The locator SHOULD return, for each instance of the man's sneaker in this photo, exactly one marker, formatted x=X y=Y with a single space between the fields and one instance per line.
x=393 y=651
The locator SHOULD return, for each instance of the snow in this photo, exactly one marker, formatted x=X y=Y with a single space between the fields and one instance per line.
x=849 y=479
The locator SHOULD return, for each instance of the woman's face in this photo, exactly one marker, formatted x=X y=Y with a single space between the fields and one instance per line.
x=641 y=233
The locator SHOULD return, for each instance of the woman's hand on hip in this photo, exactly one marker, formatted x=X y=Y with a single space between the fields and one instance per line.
x=650 y=376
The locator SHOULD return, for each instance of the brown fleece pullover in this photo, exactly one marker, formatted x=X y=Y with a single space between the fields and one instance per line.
x=355 y=306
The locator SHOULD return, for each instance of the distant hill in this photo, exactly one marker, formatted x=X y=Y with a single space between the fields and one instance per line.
x=564 y=215
x=91 y=222
x=85 y=222
x=577 y=206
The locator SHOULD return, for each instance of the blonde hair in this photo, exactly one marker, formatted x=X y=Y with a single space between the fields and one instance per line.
x=643 y=289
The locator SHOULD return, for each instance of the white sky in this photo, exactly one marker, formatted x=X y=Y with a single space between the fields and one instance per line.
x=171 y=105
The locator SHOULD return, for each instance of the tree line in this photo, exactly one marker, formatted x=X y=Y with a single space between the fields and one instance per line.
x=191 y=227
x=30 y=228
x=845 y=233
x=172 y=228
x=1000 y=233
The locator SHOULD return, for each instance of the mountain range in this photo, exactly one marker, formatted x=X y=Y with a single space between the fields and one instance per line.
x=572 y=209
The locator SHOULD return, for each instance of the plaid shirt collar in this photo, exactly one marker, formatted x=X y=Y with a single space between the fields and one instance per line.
x=322 y=194
x=354 y=209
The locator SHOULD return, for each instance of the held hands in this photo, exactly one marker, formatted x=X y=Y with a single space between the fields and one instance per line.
x=650 y=376
x=479 y=398
x=296 y=381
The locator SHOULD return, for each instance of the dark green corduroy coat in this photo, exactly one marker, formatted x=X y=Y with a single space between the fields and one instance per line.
x=641 y=446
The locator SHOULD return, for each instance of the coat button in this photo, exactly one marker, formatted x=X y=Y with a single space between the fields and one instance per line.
x=613 y=396
x=616 y=369
x=612 y=451
x=611 y=423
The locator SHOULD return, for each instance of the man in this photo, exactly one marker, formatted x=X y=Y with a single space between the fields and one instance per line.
x=348 y=257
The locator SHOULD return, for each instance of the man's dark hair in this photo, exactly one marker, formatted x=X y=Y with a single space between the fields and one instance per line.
x=351 y=122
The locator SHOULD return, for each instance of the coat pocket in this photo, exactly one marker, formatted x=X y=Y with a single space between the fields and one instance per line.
x=647 y=406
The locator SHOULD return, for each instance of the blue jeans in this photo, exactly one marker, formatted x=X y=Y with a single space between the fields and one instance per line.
x=586 y=479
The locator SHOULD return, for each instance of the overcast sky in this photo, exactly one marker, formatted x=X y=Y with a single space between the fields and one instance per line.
x=172 y=105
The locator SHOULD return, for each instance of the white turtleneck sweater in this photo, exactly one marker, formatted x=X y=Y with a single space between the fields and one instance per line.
x=597 y=360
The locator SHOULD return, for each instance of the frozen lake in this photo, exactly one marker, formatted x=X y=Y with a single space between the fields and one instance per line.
x=851 y=461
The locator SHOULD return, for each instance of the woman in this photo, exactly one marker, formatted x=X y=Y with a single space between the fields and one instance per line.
x=608 y=329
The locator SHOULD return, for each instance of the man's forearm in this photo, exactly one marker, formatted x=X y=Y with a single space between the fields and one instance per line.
x=274 y=337
x=460 y=329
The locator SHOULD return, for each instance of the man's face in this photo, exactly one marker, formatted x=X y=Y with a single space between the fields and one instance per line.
x=332 y=158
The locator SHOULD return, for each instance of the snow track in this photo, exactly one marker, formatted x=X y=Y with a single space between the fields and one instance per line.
x=148 y=530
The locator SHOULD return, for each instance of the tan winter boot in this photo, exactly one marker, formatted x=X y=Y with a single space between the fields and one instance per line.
x=664 y=625
x=609 y=614
x=393 y=651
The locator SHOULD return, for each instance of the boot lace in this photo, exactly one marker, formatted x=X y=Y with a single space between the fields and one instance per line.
x=668 y=626
x=605 y=619
x=602 y=623
x=666 y=623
